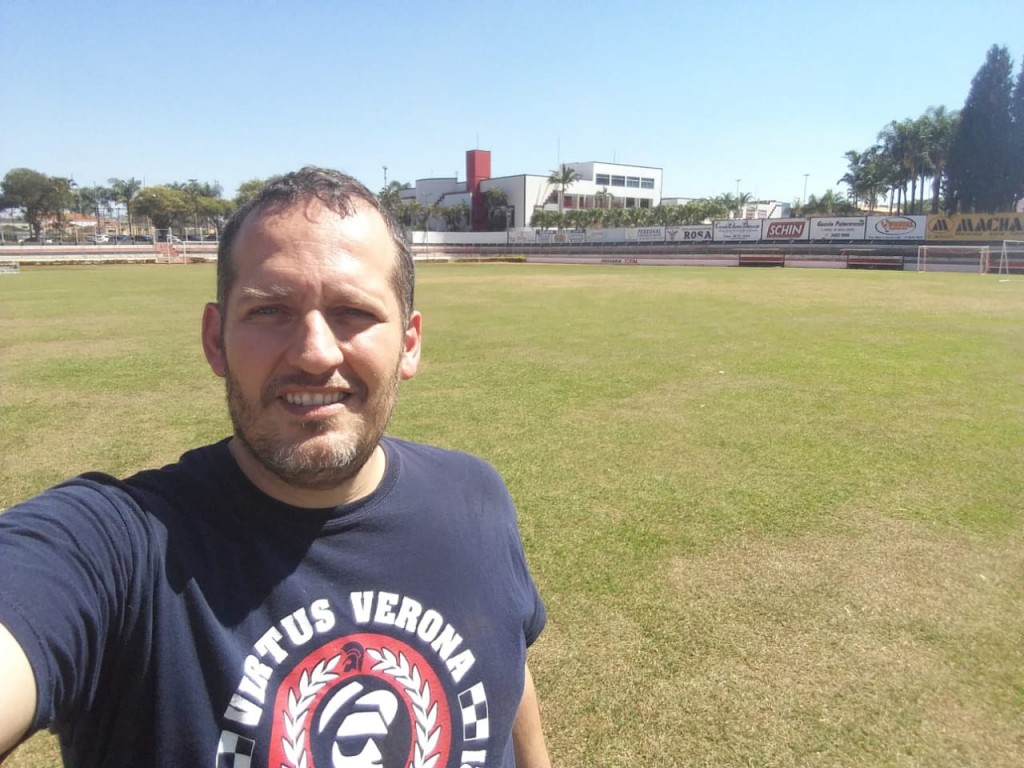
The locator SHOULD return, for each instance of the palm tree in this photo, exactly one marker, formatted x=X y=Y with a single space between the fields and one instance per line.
x=872 y=176
x=854 y=176
x=496 y=209
x=904 y=145
x=125 y=191
x=411 y=213
x=564 y=177
x=614 y=217
x=661 y=215
x=95 y=200
x=728 y=203
x=829 y=204
x=455 y=216
x=742 y=200
x=541 y=218
x=940 y=126
x=391 y=199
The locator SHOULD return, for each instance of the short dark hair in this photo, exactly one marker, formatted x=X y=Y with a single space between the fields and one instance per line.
x=337 y=191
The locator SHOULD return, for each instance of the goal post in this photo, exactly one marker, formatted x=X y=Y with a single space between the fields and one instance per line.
x=169 y=248
x=1011 y=258
x=954 y=258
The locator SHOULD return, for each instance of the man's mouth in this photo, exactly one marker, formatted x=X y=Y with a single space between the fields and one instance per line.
x=307 y=399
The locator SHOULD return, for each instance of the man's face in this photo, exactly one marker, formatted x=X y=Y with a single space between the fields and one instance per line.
x=311 y=344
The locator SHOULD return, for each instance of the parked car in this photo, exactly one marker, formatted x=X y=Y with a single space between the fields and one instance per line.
x=35 y=241
x=123 y=240
x=143 y=238
x=170 y=239
x=97 y=239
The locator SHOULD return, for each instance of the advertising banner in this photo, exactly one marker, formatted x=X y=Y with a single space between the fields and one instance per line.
x=737 y=231
x=977 y=227
x=521 y=236
x=566 y=236
x=468 y=238
x=786 y=229
x=606 y=235
x=895 y=228
x=646 y=235
x=694 y=234
x=841 y=228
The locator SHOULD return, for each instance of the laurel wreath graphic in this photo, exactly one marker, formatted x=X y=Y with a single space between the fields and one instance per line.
x=405 y=674
x=310 y=684
x=418 y=691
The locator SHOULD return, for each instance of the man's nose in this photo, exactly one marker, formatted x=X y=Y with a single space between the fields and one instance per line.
x=316 y=347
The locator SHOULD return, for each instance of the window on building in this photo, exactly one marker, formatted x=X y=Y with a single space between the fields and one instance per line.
x=631 y=202
x=646 y=183
x=618 y=181
x=645 y=202
x=633 y=181
x=602 y=179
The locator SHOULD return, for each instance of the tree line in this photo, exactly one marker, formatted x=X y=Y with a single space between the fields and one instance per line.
x=965 y=161
x=47 y=201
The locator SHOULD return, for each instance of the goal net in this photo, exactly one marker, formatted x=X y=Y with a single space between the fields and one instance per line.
x=954 y=258
x=169 y=248
x=1011 y=258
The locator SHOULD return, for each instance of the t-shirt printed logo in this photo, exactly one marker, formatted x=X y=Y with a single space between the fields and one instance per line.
x=364 y=700
x=368 y=698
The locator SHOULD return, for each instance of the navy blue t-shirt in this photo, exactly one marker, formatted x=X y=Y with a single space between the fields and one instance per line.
x=183 y=617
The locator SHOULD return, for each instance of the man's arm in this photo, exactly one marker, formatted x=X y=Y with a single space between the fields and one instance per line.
x=17 y=692
x=527 y=735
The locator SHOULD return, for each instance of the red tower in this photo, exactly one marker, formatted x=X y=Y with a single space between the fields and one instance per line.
x=478 y=168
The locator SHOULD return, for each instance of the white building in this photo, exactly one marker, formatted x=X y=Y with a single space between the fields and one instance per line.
x=599 y=185
x=767 y=209
x=629 y=186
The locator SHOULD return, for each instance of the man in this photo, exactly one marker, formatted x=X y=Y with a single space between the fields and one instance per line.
x=306 y=593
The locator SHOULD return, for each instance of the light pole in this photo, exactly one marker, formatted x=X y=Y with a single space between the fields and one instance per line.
x=73 y=187
x=803 y=200
x=385 y=177
x=738 y=187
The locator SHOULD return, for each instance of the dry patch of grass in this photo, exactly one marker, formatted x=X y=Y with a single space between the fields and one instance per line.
x=882 y=632
x=876 y=642
x=41 y=751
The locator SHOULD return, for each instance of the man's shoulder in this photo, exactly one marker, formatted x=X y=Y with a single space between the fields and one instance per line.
x=435 y=456
x=197 y=466
x=102 y=493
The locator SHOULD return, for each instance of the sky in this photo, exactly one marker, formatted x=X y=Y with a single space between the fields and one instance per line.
x=762 y=98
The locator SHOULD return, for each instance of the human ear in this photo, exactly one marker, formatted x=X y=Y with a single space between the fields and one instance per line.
x=411 y=340
x=213 y=341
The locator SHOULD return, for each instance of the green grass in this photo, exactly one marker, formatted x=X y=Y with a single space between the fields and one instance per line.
x=777 y=515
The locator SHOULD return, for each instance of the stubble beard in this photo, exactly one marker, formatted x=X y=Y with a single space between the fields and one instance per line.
x=331 y=451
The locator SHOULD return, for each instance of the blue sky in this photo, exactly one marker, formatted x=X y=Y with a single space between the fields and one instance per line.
x=226 y=91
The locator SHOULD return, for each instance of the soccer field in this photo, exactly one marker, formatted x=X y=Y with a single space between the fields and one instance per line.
x=777 y=516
